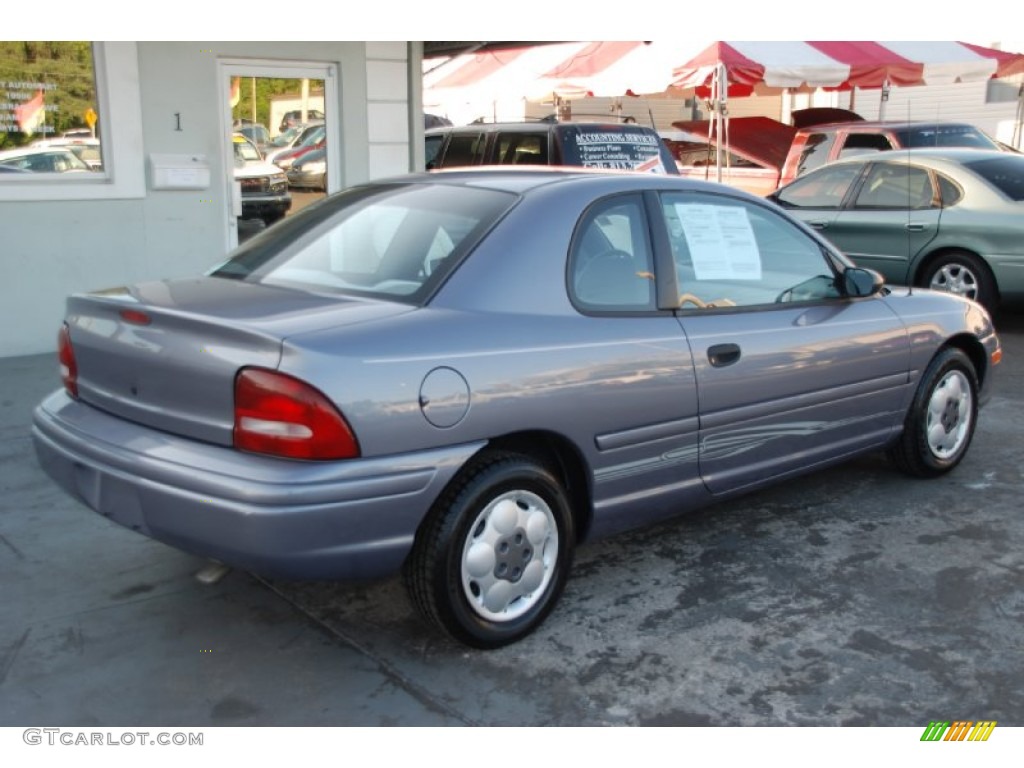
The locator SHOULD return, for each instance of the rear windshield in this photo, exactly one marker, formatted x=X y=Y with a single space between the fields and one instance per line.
x=395 y=242
x=945 y=136
x=614 y=146
x=1004 y=173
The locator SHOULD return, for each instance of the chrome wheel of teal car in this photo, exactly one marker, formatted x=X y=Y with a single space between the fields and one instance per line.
x=956 y=278
x=964 y=274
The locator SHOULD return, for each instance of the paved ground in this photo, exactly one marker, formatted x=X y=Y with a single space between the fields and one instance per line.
x=248 y=228
x=852 y=597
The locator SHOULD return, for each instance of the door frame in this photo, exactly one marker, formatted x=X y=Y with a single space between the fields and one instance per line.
x=228 y=68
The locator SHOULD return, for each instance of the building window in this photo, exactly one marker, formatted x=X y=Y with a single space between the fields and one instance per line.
x=49 y=108
x=70 y=121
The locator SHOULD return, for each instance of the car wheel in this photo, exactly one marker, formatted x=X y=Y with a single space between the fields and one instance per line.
x=964 y=274
x=272 y=218
x=491 y=559
x=941 y=421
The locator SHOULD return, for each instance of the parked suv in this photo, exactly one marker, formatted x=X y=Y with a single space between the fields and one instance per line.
x=264 y=186
x=591 y=145
x=294 y=117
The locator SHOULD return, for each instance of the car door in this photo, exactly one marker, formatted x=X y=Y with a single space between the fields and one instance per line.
x=642 y=421
x=892 y=216
x=817 y=197
x=790 y=373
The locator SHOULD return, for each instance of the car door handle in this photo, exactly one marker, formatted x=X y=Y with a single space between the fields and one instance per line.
x=915 y=226
x=817 y=223
x=721 y=355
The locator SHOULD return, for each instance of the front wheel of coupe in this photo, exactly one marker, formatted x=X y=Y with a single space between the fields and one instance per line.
x=942 y=418
x=491 y=559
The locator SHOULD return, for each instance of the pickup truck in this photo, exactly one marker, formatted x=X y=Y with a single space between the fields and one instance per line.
x=761 y=154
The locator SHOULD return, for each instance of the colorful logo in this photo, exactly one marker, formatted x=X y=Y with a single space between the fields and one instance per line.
x=959 y=730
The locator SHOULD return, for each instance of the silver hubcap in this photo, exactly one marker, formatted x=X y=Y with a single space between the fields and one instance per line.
x=956 y=278
x=509 y=557
x=949 y=415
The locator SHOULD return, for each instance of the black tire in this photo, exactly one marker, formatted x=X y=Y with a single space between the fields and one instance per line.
x=964 y=274
x=507 y=517
x=942 y=418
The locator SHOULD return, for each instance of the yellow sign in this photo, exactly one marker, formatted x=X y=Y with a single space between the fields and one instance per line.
x=91 y=117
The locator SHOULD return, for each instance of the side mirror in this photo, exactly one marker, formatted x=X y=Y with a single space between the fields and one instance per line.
x=858 y=281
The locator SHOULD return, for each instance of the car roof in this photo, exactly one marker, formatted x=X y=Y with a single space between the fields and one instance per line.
x=522 y=179
x=958 y=155
x=533 y=126
x=30 y=150
x=881 y=125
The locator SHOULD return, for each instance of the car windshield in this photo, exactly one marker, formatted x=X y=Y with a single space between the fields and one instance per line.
x=394 y=242
x=1004 y=173
x=285 y=139
x=313 y=136
x=246 y=152
x=945 y=136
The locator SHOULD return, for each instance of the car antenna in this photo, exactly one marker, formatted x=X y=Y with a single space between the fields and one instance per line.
x=910 y=254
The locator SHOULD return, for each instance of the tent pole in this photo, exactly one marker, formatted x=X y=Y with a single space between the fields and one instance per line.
x=883 y=98
x=1017 y=126
x=720 y=90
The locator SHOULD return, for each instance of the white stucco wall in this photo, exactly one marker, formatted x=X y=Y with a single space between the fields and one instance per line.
x=52 y=248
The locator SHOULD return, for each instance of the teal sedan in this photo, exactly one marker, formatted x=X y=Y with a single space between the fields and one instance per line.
x=948 y=219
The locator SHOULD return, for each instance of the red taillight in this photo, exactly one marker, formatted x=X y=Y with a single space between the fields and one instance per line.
x=66 y=356
x=280 y=415
x=135 y=317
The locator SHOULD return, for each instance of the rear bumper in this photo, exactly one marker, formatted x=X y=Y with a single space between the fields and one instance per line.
x=300 y=520
x=300 y=180
x=258 y=208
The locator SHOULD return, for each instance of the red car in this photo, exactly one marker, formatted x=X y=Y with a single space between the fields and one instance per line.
x=764 y=154
x=284 y=160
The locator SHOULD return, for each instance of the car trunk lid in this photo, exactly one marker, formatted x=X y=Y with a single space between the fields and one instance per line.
x=165 y=354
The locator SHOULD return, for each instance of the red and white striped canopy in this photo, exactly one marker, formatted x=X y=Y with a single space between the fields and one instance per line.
x=844 y=65
x=569 y=70
x=613 y=68
x=621 y=68
x=498 y=74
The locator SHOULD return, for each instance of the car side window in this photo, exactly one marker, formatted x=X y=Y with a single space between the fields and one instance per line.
x=517 y=148
x=895 y=186
x=464 y=149
x=611 y=263
x=432 y=145
x=949 y=191
x=824 y=189
x=815 y=152
x=731 y=253
x=861 y=143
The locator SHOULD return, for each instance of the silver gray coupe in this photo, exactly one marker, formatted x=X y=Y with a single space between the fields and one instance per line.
x=462 y=375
